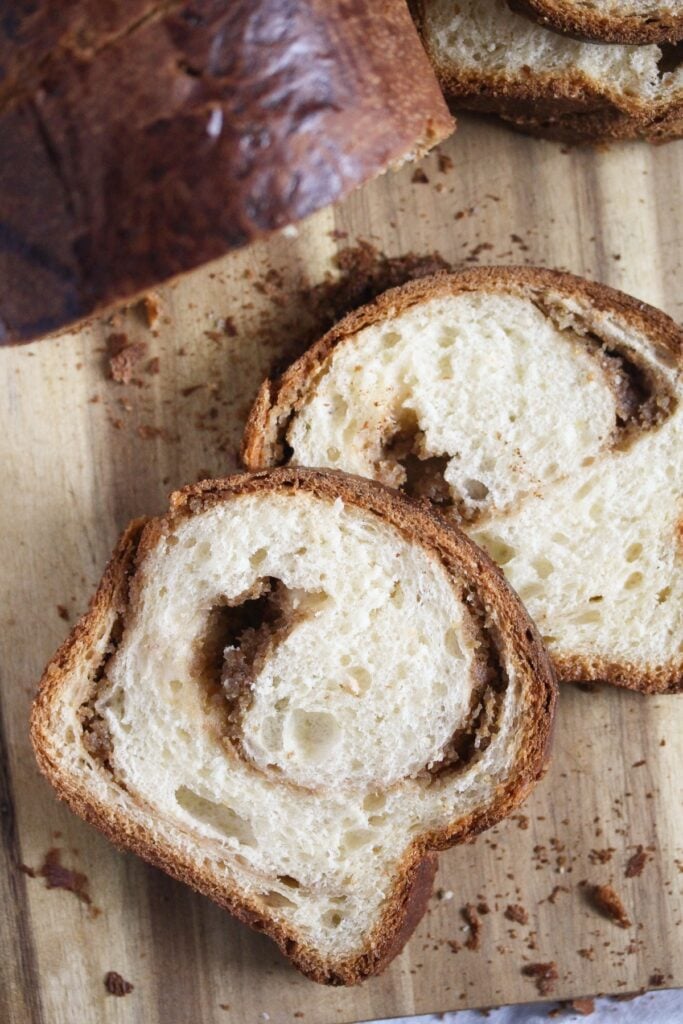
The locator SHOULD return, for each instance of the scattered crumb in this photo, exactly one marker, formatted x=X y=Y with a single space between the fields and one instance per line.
x=601 y=856
x=483 y=907
x=544 y=975
x=116 y=985
x=151 y=307
x=58 y=877
x=444 y=894
x=522 y=821
x=473 y=255
x=517 y=913
x=605 y=899
x=455 y=945
x=419 y=177
x=123 y=357
x=364 y=273
x=63 y=612
x=657 y=978
x=584 y=1005
x=445 y=163
x=469 y=912
x=26 y=870
x=298 y=1013
x=557 y=889
x=638 y=764
x=587 y=954
x=149 y=433
x=224 y=1006
x=636 y=863
x=153 y=366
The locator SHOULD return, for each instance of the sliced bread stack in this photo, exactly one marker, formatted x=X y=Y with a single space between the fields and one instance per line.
x=560 y=68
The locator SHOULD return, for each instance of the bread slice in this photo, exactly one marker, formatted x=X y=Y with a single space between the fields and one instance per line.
x=600 y=126
x=495 y=60
x=143 y=138
x=289 y=692
x=544 y=414
x=609 y=21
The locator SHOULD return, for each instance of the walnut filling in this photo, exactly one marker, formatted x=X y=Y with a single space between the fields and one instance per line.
x=96 y=738
x=643 y=399
x=239 y=636
x=486 y=703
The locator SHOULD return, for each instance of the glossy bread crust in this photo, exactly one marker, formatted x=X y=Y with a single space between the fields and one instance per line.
x=140 y=140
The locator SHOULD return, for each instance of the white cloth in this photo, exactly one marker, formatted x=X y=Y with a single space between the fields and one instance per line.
x=659 y=1007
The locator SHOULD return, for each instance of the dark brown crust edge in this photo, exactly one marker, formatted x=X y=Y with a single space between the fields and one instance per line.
x=277 y=399
x=573 y=19
x=412 y=888
x=111 y=180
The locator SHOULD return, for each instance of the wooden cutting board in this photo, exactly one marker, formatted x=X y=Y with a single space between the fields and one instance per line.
x=82 y=454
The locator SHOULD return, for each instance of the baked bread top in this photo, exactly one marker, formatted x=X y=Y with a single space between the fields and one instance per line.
x=288 y=692
x=542 y=412
x=142 y=139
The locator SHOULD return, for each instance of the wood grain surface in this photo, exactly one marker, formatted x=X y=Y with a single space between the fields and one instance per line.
x=82 y=454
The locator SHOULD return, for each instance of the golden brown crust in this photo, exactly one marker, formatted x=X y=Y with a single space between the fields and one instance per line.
x=136 y=177
x=278 y=400
x=586 y=22
x=413 y=881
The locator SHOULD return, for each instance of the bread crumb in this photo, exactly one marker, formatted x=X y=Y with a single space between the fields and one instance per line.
x=58 y=877
x=455 y=945
x=116 y=985
x=419 y=177
x=587 y=954
x=444 y=894
x=151 y=307
x=601 y=856
x=584 y=1005
x=608 y=902
x=657 y=979
x=153 y=366
x=469 y=912
x=544 y=975
x=444 y=162
x=636 y=863
x=557 y=889
x=63 y=612
x=515 y=912
x=123 y=357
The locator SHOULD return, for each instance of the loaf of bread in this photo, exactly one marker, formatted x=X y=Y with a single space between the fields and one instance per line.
x=139 y=139
x=289 y=692
x=609 y=21
x=543 y=413
x=492 y=59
